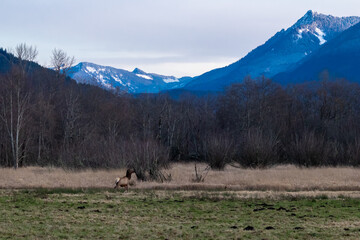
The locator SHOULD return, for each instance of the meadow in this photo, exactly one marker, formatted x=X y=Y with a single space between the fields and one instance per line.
x=284 y=202
x=279 y=178
x=150 y=214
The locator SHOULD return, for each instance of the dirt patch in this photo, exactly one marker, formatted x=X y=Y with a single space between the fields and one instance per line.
x=249 y=228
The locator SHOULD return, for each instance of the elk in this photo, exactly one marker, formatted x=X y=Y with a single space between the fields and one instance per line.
x=124 y=181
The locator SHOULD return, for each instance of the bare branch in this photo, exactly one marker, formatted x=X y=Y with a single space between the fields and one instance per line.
x=61 y=62
x=26 y=53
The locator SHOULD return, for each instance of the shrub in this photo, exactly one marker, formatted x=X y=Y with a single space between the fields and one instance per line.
x=200 y=175
x=353 y=153
x=258 y=150
x=147 y=157
x=308 y=150
x=219 y=150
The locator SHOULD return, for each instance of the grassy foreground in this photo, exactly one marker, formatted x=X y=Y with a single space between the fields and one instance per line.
x=103 y=214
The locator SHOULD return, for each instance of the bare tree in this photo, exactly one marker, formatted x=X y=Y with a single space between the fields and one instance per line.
x=148 y=158
x=44 y=123
x=219 y=149
x=200 y=175
x=25 y=53
x=61 y=62
x=15 y=102
x=71 y=117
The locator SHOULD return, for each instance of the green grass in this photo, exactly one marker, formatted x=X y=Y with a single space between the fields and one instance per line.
x=102 y=214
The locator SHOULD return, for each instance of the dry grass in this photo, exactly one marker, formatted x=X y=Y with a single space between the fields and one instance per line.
x=280 y=178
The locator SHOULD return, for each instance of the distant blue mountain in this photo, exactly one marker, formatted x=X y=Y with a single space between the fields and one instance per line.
x=314 y=43
x=340 y=57
x=136 y=81
x=280 y=53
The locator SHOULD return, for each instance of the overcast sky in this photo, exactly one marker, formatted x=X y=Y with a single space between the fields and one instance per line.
x=171 y=37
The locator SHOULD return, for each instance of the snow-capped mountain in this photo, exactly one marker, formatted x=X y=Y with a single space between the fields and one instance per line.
x=279 y=53
x=136 y=81
x=339 y=56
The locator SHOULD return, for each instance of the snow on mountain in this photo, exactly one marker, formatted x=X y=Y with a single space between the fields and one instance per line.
x=279 y=53
x=111 y=78
x=320 y=35
x=171 y=80
x=144 y=76
x=340 y=57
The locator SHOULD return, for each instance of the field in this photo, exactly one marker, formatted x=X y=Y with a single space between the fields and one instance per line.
x=279 y=178
x=149 y=214
x=284 y=202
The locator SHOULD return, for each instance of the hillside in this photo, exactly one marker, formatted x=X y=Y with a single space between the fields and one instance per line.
x=279 y=53
x=111 y=78
x=340 y=57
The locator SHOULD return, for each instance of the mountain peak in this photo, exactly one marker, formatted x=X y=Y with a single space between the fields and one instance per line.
x=309 y=18
x=111 y=78
x=138 y=71
x=310 y=13
x=280 y=53
x=324 y=27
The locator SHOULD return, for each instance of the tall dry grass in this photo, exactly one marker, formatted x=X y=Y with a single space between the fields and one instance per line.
x=280 y=178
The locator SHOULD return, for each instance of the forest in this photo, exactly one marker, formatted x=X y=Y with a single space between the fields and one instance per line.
x=47 y=119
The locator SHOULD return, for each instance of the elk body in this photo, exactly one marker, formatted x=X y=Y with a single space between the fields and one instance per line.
x=124 y=181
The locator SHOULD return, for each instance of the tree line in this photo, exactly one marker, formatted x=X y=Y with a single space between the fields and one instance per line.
x=47 y=119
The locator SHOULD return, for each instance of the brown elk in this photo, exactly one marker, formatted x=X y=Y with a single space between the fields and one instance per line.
x=124 y=181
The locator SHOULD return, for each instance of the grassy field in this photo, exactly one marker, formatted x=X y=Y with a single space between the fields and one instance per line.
x=149 y=214
x=278 y=178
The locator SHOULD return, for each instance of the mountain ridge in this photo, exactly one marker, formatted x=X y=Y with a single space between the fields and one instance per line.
x=111 y=78
x=277 y=54
x=340 y=57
